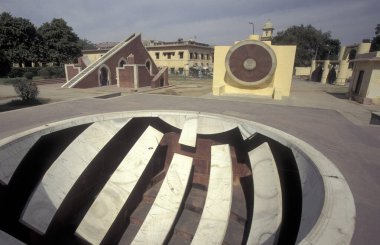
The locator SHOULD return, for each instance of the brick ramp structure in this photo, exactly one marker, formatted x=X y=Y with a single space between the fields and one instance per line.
x=109 y=70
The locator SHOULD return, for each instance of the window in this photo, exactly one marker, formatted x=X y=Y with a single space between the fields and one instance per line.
x=195 y=55
x=202 y=56
x=207 y=56
x=191 y=56
x=157 y=55
x=148 y=65
x=180 y=71
x=172 y=70
x=180 y=55
x=122 y=63
x=169 y=55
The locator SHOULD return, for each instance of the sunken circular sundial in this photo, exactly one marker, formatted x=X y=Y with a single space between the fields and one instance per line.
x=250 y=62
x=169 y=177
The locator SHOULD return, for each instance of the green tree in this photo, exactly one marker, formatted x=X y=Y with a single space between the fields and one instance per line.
x=311 y=43
x=5 y=64
x=86 y=44
x=59 y=43
x=17 y=39
x=375 y=44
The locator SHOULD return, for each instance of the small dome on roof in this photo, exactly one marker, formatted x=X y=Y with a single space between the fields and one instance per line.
x=268 y=25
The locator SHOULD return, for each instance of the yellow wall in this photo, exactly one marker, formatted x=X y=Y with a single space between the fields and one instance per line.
x=184 y=63
x=370 y=87
x=374 y=84
x=93 y=57
x=302 y=71
x=276 y=87
x=284 y=70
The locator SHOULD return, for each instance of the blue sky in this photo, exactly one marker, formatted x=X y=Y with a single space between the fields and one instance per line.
x=217 y=22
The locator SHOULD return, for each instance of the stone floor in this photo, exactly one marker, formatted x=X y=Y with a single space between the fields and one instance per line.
x=315 y=113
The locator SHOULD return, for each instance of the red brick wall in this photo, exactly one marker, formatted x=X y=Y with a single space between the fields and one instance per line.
x=71 y=71
x=136 y=48
x=162 y=75
x=145 y=78
x=126 y=77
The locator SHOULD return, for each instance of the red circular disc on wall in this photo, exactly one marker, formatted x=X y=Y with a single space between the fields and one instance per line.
x=250 y=62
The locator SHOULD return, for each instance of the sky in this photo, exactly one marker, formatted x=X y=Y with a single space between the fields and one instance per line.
x=216 y=22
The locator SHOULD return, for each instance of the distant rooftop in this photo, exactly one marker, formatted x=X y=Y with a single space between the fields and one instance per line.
x=179 y=42
x=106 y=45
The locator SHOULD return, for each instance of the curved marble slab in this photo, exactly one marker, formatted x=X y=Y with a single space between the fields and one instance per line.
x=216 y=213
x=205 y=124
x=12 y=154
x=267 y=207
x=7 y=239
x=64 y=172
x=115 y=193
x=188 y=135
x=161 y=216
x=14 y=148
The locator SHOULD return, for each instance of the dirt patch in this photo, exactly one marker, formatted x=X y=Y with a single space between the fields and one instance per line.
x=186 y=88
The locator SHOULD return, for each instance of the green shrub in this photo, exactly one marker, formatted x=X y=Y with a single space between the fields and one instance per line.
x=16 y=72
x=58 y=71
x=52 y=72
x=28 y=75
x=33 y=70
x=44 y=72
x=26 y=89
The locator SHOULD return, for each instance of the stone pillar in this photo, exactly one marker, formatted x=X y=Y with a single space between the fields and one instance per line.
x=312 y=68
x=325 y=71
x=363 y=48
x=341 y=52
x=342 y=73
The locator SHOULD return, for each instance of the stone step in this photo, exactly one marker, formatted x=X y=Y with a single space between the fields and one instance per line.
x=234 y=234
x=196 y=200
x=187 y=225
x=161 y=217
x=216 y=213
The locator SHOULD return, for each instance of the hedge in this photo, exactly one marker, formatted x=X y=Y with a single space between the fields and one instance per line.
x=45 y=72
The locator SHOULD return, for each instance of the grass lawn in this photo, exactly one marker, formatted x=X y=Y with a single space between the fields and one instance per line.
x=10 y=81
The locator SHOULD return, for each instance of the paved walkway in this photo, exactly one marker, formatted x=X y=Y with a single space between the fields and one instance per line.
x=336 y=127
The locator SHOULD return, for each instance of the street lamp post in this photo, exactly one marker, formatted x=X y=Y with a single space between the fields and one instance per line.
x=253 y=27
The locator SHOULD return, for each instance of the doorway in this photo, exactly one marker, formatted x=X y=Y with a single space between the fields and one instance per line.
x=104 y=76
x=359 y=82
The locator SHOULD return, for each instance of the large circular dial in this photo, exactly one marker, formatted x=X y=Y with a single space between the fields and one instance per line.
x=250 y=62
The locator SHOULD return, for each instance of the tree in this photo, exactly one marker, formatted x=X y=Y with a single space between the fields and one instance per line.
x=17 y=38
x=5 y=64
x=375 y=44
x=311 y=43
x=86 y=44
x=60 y=43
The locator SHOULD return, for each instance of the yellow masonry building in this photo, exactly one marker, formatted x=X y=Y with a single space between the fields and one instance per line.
x=181 y=57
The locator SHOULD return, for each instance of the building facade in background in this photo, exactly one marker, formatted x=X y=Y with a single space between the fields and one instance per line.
x=182 y=57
